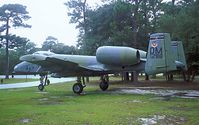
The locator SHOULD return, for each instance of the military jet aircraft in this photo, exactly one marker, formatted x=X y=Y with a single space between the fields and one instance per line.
x=161 y=58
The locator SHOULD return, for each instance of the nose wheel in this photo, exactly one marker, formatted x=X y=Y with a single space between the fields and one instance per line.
x=41 y=87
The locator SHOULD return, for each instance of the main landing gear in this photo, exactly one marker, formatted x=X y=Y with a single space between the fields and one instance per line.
x=104 y=82
x=43 y=82
x=79 y=86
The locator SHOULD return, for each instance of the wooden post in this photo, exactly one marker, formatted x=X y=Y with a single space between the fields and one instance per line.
x=134 y=76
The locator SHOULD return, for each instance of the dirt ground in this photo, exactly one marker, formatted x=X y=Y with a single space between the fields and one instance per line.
x=162 y=88
x=159 y=84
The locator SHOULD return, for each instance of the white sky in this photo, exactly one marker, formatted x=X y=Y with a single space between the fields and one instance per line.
x=48 y=18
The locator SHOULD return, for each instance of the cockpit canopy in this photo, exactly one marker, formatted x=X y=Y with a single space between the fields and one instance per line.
x=45 y=53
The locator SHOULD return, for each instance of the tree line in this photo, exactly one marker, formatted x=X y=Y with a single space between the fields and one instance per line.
x=129 y=22
x=23 y=46
x=13 y=46
x=116 y=22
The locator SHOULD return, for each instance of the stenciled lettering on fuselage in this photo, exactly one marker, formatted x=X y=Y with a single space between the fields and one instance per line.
x=155 y=49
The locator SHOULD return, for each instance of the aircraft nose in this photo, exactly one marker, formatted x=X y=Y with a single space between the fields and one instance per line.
x=17 y=68
x=26 y=67
x=21 y=67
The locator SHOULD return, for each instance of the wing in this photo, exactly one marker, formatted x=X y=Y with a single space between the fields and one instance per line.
x=47 y=61
x=54 y=64
x=75 y=66
x=97 y=68
x=51 y=61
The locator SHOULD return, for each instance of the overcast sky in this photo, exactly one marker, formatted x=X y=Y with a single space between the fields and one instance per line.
x=48 y=18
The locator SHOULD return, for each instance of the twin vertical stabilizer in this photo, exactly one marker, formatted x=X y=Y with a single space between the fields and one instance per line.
x=162 y=56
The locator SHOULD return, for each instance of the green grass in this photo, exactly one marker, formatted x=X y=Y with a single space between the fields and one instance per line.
x=17 y=80
x=57 y=105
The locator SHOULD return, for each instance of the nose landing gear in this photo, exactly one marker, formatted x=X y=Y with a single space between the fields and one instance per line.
x=43 y=82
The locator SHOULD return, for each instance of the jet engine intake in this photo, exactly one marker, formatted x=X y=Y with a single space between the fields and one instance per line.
x=120 y=56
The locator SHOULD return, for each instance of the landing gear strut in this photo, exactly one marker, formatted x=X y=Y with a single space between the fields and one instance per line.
x=104 y=83
x=79 y=86
x=43 y=82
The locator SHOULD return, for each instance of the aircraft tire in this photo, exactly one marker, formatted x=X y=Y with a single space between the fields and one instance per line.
x=41 y=87
x=77 y=88
x=103 y=86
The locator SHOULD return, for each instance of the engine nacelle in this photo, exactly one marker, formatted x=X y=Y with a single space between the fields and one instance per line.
x=120 y=56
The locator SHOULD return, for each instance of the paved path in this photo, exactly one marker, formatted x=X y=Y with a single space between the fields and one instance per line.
x=22 y=76
x=35 y=83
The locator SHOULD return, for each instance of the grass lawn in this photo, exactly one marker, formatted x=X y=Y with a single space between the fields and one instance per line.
x=18 y=80
x=57 y=105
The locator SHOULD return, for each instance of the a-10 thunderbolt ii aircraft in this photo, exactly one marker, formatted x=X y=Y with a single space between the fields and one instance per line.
x=163 y=56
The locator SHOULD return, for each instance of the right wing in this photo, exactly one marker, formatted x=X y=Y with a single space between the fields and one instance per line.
x=75 y=66
x=55 y=64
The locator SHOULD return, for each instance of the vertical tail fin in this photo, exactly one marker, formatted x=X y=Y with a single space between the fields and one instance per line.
x=179 y=56
x=160 y=58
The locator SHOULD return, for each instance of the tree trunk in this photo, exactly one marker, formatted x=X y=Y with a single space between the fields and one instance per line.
x=134 y=76
x=87 y=79
x=84 y=16
x=126 y=76
x=146 y=77
x=135 y=24
x=7 y=51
